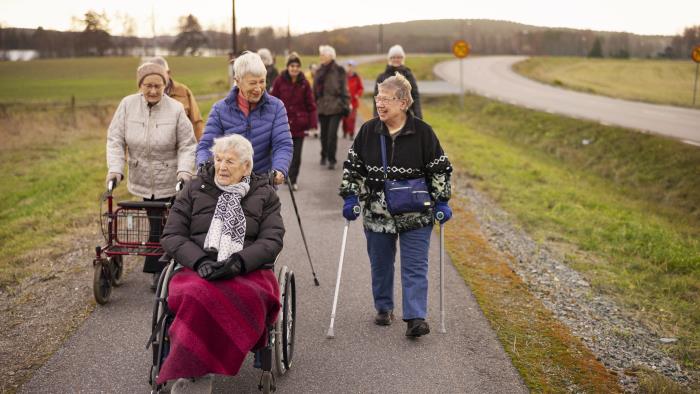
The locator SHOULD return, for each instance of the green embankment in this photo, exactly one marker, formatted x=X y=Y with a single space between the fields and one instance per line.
x=623 y=207
x=654 y=81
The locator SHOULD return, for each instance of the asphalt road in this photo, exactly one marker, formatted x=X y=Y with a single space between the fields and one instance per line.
x=107 y=353
x=492 y=76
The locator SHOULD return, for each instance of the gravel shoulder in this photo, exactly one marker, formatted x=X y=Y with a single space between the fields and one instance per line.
x=621 y=342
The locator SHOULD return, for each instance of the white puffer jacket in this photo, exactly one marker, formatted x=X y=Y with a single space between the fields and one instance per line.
x=159 y=142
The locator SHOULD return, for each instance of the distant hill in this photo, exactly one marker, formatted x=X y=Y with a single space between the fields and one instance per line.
x=423 y=36
x=485 y=37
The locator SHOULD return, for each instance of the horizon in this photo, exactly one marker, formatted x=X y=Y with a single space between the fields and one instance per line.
x=313 y=15
x=277 y=28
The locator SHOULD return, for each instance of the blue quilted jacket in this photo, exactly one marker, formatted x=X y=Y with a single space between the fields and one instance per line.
x=266 y=127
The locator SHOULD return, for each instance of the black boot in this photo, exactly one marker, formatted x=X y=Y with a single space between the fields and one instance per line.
x=384 y=318
x=416 y=328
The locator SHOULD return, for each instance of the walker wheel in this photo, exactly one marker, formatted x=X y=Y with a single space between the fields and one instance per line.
x=116 y=266
x=102 y=283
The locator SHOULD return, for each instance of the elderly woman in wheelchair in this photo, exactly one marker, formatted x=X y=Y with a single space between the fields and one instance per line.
x=219 y=298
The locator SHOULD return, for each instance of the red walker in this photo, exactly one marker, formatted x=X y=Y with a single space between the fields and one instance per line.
x=127 y=231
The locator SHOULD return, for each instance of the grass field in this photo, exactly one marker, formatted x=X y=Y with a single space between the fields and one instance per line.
x=420 y=65
x=654 y=81
x=624 y=210
x=99 y=80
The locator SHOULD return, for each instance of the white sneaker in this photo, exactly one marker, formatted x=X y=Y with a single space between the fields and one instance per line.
x=201 y=385
x=295 y=187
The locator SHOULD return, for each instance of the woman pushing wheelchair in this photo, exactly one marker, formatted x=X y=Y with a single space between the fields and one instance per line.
x=397 y=169
x=226 y=229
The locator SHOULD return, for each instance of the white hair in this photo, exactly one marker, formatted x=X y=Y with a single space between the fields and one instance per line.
x=238 y=144
x=266 y=56
x=400 y=85
x=396 y=50
x=159 y=60
x=327 y=50
x=249 y=63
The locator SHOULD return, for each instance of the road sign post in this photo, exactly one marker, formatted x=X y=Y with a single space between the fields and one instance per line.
x=461 y=49
x=695 y=55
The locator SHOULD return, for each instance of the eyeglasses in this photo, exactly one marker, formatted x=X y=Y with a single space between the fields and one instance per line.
x=384 y=100
x=150 y=86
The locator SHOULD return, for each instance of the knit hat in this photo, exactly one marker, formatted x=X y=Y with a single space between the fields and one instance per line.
x=293 y=58
x=147 y=69
x=396 y=50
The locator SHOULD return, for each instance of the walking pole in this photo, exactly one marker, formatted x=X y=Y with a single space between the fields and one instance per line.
x=440 y=216
x=331 y=332
x=303 y=237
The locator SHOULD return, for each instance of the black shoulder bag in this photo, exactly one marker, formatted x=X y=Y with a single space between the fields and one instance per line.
x=406 y=195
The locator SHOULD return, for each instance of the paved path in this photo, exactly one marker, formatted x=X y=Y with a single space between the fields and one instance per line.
x=107 y=352
x=492 y=76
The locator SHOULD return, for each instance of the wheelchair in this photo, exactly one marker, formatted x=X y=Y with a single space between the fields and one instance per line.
x=280 y=344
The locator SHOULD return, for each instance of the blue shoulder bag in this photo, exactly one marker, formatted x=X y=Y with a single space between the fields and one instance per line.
x=405 y=195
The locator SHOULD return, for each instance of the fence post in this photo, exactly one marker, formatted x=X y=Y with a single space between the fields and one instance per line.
x=74 y=117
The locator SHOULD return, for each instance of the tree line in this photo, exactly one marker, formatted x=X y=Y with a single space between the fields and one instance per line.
x=487 y=37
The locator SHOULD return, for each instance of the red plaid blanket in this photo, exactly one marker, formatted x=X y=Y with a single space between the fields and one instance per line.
x=217 y=323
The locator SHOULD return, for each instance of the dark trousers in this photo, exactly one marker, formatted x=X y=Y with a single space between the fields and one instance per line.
x=156 y=223
x=329 y=136
x=296 y=159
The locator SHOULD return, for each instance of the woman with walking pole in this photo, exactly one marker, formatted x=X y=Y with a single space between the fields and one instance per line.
x=397 y=171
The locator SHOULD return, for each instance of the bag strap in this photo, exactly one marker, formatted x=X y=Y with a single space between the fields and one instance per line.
x=383 y=147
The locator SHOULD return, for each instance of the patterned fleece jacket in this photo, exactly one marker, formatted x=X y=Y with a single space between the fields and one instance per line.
x=415 y=152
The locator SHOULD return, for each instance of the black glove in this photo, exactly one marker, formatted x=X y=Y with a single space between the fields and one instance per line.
x=206 y=267
x=231 y=267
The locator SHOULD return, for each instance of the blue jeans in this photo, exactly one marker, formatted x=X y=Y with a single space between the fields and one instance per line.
x=414 y=245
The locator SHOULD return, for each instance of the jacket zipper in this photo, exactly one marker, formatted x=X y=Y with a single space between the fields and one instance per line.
x=148 y=152
x=391 y=162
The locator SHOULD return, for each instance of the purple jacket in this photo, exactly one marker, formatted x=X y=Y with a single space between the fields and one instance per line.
x=266 y=127
x=299 y=101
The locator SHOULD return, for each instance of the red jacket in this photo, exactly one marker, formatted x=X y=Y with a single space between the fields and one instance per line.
x=299 y=101
x=355 y=88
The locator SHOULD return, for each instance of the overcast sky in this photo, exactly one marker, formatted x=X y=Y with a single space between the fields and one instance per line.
x=666 y=17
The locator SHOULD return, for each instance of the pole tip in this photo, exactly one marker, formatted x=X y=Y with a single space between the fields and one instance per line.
x=330 y=334
x=316 y=282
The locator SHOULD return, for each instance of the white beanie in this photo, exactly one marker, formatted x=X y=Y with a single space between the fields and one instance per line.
x=396 y=50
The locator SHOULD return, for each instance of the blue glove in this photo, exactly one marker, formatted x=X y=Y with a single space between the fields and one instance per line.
x=351 y=207
x=443 y=212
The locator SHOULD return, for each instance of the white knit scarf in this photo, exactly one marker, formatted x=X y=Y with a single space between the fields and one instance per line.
x=227 y=231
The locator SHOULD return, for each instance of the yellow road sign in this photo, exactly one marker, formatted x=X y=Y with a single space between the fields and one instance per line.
x=460 y=48
x=696 y=54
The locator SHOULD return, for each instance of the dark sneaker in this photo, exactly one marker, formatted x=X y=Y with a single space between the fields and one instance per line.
x=384 y=318
x=416 y=328
x=323 y=161
x=331 y=166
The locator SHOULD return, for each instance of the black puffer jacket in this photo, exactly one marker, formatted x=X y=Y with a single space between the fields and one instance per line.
x=331 y=90
x=390 y=71
x=191 y=215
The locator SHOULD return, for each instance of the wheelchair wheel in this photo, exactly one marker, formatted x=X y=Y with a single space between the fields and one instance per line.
x=267 y=383
x=101 y=283
x=116 y=266
x=285 y=326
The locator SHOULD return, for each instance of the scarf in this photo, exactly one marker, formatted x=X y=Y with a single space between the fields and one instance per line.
x=227 y=231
